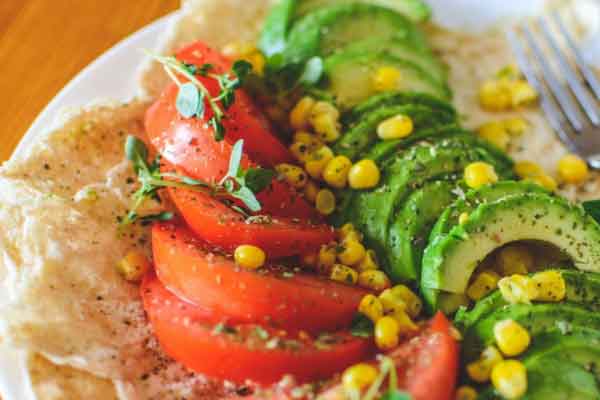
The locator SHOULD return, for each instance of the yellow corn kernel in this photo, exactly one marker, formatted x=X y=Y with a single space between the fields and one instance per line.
x=351 y=252
x=386 y=78
x=512 y=339
x=310 y=259
x=359 y=377
x=465 y=393
x=325 y=202
x=391 y=303
x=527 y=169
x=371 y=307
x=257 y=60
x=364 y=174
x=368 y=263
x=414 y=305
x=495 y=132
x=481 y=369
x=299 y=116
x=463 y=218
x=550 y=286
x=133 y=266
x=336 y=172
x=374 y=279
x=572 y=169
x=510 y=379
x=308 y=139
x=300 y=151
x=343 y=273
x=396 y=127
x=311 y=190
x=293 y=175
x=514 y=259
x=249 y=257
x=317 y=161
x=405 y=323
x=324 y=119
x=326 y=258
x=495 y=95
x=518 y=289
x=515 y=126
x=483 y=283
x=387 y=333
x=522 y=93
x=238 y=49
x=479 y=173
x=545 y=181
x=349 y=232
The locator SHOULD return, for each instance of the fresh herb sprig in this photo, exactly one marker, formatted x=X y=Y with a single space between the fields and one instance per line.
x=238 y=183
x=193 y=94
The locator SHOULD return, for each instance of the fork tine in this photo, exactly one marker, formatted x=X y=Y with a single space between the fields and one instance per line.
x=587 y=73
x=580 y=92
x=553 y=114
x=555 y=87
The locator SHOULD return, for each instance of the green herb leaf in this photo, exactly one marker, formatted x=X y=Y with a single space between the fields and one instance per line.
x=189 y=100
x=258 y=179
x=361 y=326
x=592 y=207
x=247 y=196
x=313 y=70
x=163 y=216
x=136 y=152
x=394 y=394
x=218 y=128
x=241 y=69
x=236 y=158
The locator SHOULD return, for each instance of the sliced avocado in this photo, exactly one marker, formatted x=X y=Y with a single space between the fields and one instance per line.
x=395 y=98
x=348 y=77
x=475 y=197
x=415 y=10
x=536 y=318
x=371 y=210
x=410 y=228
x=360 y=137
x=277 y=24
x=557 y=362
x=329 y=29
x=582 y=288
x=450 y=260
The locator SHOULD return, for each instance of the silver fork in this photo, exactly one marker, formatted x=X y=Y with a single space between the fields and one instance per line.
x=571 y=106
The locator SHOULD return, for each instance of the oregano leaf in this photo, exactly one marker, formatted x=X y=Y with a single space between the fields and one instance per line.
x=188 y=100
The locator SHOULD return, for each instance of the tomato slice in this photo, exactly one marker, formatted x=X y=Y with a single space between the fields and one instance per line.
x=223 y=227
x=426 y=365
x=243 y=352
x=269 y=297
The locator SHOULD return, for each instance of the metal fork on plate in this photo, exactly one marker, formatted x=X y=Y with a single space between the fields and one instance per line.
x=570 y=104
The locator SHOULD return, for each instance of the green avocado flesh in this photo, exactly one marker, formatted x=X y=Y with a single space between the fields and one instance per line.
x=416 y=10
x=450 y=260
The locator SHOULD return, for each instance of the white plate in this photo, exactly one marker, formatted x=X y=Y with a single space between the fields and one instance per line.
x=99 y=81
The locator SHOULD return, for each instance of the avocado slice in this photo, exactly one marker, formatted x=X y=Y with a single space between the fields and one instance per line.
x=415 y=10
x=275 y=28
x=475 y=197
x=329 y=29
x=536 y=318
x=450 y=260
x=348 y=76
x=361 y=136
x=582 y=288
x=371 y=210
x=394 y=98
x=410 y=228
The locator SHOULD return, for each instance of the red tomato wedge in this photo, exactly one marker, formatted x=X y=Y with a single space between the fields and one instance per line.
x=223 y=227
x=243 y=352
x=268 y=297
x=189 y=146
x=426 y=365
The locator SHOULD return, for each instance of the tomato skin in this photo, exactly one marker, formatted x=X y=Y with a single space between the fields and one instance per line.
x=188 y=145
x=223 y=227
x=213 y=281
x=182 y=331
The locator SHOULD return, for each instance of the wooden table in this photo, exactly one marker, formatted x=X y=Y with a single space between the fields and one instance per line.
x=44 y=43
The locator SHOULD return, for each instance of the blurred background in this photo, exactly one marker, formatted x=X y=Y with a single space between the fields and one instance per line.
x=45 y=43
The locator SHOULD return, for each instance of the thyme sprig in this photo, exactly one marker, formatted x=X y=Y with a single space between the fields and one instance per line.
x=238 y=183
x=193 y=94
